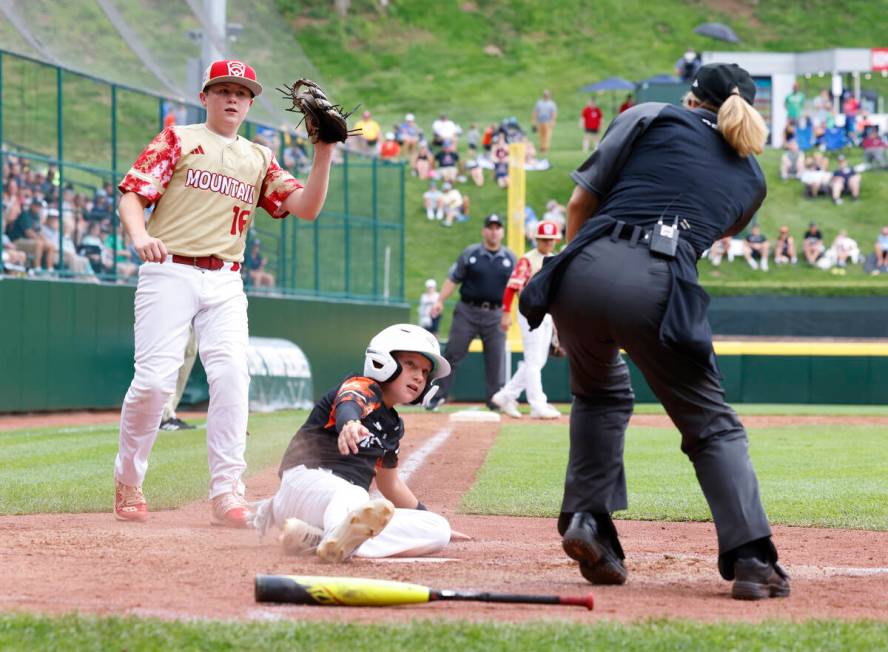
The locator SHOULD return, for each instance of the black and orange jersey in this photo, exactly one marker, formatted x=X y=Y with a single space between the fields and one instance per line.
x=315 y=444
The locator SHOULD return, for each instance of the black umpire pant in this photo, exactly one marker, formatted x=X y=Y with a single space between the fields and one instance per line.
x=614 y=295
x=468 y=323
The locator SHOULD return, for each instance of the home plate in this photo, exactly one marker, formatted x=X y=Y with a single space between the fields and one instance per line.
x=475 y=416
x=412 y=560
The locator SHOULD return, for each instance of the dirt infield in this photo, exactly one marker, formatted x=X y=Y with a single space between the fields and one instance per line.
x=178 y=566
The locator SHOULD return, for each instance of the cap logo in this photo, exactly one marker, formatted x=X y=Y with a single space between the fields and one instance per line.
x=237 y=69
x=695 y=84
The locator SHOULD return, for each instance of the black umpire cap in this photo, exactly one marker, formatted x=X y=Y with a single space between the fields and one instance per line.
x=715 y=82
x=491 y=219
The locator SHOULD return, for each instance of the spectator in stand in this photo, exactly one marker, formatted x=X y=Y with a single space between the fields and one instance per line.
x=844 y=248
x=823 y=113
x=844 y=181
x=813 y=244
x=71 y=261
x=488 y=137
x=390 y=149
x=256 y=266
x=850 y=107
x=816 y=176
x=881 y=248
x=686 y=67
x=370 y=131
x=13 y=260
x=720 y=249
x=473 y=166
x=545 y=114
x=873 y=149
x=473 y=137
x=499 y=154
x=755 y=249
x=444 y=130
x=409 y=136
x=792 y=163
x=628 y=103
x=92 y=246
x=102 y=209
x=126 y=257
x=789 y=131
x=27 y=235
x=447 y=162
x=432 y=201
x=426 y=301
x=455 y=206
x=590 y=121
x=423 y=163
x=794 y=103
x=784 y=248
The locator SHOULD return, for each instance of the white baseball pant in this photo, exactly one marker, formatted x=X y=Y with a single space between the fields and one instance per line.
x=169 y=298
x=529 y=374
x=323 y=500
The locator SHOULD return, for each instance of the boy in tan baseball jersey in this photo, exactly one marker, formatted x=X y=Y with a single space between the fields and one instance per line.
x=205 y=183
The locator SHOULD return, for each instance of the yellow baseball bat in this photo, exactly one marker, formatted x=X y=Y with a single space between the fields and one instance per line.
x=363 y=592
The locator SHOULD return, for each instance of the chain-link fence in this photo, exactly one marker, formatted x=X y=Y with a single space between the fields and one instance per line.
x=67 y=139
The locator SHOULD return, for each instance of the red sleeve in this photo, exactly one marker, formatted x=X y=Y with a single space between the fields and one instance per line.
x=357 y=397
x=152 y=171
x=516 y=283
x=277 y=185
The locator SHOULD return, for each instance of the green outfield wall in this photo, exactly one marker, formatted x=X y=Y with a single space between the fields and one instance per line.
x=67 y=345
x=753 y=372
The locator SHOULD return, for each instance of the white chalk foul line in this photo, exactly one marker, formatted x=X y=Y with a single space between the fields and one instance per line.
x=417 y=457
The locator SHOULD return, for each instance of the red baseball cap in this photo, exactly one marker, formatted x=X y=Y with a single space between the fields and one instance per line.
x=548 y=231
x=230 y=70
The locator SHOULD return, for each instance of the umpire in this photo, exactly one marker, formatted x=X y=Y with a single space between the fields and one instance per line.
x=665 y=182
x=482 y=269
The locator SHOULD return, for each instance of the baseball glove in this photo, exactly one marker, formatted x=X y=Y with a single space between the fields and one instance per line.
x=324 y=121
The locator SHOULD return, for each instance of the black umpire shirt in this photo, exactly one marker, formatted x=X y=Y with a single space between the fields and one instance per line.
x=482 y=273
x=662 y=160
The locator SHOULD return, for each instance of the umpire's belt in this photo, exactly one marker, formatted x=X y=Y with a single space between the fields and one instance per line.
x=634 y=234
x=486 y=305
x=204 y=262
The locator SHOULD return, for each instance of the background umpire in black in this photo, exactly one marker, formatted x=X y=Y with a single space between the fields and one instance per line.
x=620 y=285
x=483 y=269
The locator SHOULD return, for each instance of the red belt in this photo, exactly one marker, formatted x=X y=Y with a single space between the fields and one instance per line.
x=204 y=262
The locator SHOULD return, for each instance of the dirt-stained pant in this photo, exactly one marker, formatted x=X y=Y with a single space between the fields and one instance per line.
x=322 y=499
x=614 y=295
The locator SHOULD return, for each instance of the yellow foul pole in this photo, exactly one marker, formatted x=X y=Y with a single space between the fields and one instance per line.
x=515 y=228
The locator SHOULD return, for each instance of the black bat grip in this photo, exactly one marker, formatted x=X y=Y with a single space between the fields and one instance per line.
x=276 y=588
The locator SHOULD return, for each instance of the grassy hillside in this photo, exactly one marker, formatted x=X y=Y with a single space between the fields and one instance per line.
x=429 y=58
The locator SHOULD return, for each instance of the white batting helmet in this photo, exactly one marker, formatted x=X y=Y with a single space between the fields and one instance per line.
x=381 y=365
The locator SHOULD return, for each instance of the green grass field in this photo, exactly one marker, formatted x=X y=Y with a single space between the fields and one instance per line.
x=71 y=470
x=820 y=476
x=138 y=635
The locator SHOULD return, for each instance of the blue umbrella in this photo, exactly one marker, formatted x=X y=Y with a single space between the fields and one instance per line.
x=717 y=31
x=609 y=84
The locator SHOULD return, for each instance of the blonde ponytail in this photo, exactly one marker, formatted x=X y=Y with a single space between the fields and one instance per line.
x=742 y=126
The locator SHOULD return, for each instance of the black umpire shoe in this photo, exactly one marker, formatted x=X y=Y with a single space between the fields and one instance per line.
x=175 y=424
x=600 y=561
x=755 y=579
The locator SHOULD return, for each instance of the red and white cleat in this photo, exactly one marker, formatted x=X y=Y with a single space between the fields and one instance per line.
x=230 y=510
x=130 y=504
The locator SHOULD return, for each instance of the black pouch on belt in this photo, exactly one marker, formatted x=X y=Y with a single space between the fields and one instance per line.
x=664 y=239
